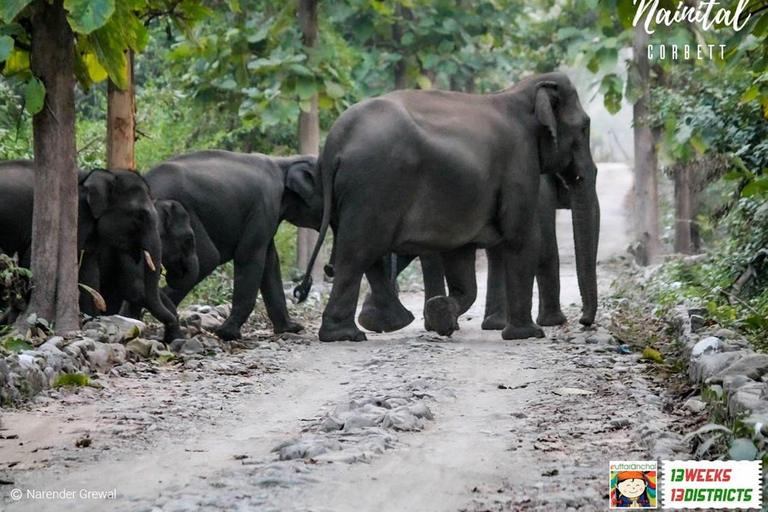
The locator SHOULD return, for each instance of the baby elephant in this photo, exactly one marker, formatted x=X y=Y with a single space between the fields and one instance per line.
x=235 y=203
x=122 y=278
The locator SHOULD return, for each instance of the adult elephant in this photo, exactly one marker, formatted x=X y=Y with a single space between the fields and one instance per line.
x=553 y=195
x=115 y=211
x=415 y=172
x=121 y=278
x=235 y=203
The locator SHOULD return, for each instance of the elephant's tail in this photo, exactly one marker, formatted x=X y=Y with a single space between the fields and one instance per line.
x=301 y=292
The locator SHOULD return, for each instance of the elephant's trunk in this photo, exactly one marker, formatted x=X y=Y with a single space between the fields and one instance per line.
x=152 y=255
x=182 y=274
x=586 y=229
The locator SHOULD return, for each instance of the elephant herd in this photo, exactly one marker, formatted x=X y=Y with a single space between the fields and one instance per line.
x=411 y=173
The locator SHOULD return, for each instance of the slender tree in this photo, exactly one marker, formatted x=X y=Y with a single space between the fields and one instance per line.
x=646 y=204
x=121 y=121
x=309 y=132
x=54 y=231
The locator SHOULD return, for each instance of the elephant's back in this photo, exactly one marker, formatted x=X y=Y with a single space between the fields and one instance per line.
x=17 y=182
x=223 y=189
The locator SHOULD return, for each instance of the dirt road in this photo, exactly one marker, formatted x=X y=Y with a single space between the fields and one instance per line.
x=403 y=422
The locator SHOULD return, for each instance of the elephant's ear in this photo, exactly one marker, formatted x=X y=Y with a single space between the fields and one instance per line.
x=98 y=188
x=163 y=209
x=545 y=113
x=300 y=179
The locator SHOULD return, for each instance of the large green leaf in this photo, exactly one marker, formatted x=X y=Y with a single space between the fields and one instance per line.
x=85 y=16
x=34 y=96
x=6 y=47
x=305 y=87
x=9 y=9
x=17 y=63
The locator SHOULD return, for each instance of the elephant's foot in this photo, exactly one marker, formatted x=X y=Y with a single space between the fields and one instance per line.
x=172 y=332
x=440 y=316
x=291 y=326
x=228 y=331
x=587 y=319
x=330 y=334
x=379 y=319
x=521 y=332
x=495 y=322
x=550 y=318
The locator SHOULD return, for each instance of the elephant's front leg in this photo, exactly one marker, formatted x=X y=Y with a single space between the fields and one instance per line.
x=382 y=310
x=548 y=271
x=495 y=318
x=249 y=268
x=274 y=297
x=441 y=313
x=521 y=252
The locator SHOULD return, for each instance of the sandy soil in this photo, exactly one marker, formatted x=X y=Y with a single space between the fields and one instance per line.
x=517 y=425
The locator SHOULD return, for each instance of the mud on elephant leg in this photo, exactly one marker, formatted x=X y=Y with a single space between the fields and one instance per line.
x=273 y=295
x=382 y=310
x=441 y=313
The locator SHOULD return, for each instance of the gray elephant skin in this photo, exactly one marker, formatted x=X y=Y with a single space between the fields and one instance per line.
x=553 y=195
x=416 y=172
x=122 y=278
x=235 y=203
x=115 y=211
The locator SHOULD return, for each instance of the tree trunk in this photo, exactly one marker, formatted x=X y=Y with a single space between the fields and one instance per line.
x=54 y=224
x=121 y=122
x=646 y=213
x=685 y=211
x=309 y=137
x=401 y=79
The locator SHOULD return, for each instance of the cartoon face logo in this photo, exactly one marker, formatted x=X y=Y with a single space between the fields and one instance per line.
x=633 y=489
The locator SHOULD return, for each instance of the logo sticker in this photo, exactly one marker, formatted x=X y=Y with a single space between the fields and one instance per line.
x=711 y=484
x=633 y=484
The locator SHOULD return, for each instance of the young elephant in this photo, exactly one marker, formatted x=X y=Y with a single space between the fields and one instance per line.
x=380 y=316
x=414 y=172
x=121 y=278
x=235 y=203
x=115 y=211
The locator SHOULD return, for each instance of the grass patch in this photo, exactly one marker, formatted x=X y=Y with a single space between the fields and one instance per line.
x=70 y=380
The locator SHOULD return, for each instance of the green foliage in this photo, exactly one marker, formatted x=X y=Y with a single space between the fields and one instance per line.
x=9 y=9
x=71 y=380
x=105 y=30
x=15 y=345
x=14 y=280
x=712 y=282
x=34 y=95
x=85 y=16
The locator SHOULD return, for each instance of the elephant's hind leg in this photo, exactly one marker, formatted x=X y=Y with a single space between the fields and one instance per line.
x=382 y=310
x=441 y=313
x=249 y=262
x=495 y=318
x=274 y=297
x=352 y=261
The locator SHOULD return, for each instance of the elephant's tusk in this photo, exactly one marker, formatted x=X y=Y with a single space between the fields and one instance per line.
x=150 y=263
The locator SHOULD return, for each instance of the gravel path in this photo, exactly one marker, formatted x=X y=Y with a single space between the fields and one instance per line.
x=403 y=422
